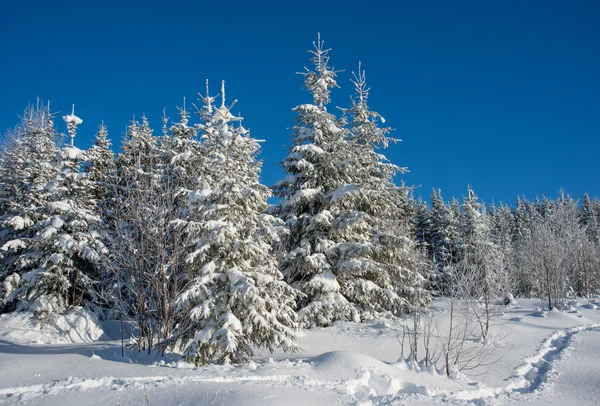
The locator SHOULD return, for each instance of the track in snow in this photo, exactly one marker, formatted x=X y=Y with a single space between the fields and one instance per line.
x=533 y=373
x=528 y=378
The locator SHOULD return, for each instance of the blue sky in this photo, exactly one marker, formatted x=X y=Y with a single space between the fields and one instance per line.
x=501 y=95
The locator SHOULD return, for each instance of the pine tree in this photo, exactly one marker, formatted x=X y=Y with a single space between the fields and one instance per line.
x=522 y=226
x=443 y=230
x=27 y=167
x=422 y=225
x=66 y=248
x=182 y=154
x=481 y=258
x=374 y=257
x=588 y=219
x=349 y=248
x=100 y=164
x=472 y=220
x=502 y=225
x=314 y=173
x=236 y=296
x=444 y=241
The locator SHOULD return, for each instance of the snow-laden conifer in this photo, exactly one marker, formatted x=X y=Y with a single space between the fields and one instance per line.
x=588 y=218
x=27 y=167
x=65 y=248
x=182 y=156
x=235 y=297
x=374 y=257
x=348 y=249
x=314 y=172
x=100 y=164
x=444 y=240
x=480 y=257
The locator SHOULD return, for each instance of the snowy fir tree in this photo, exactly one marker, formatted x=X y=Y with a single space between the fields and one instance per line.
x=444 y=232
x=473 y=226
x=444 y=239
x=100 y=164
x=27 y=167
x=182 y=154
x=588 y=218
x=421 y=220
x=480 y=258
x=65 y=248
x=375 y=258
x=340 y=204
x=235 y=297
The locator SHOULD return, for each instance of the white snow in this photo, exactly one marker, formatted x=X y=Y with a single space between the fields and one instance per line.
x=550 y=360
x=308 y=148
x=304 y=194
x=17 y=223
x=13 y=245
x=199 y=195
x=77 y=326
x=72 y=153
x=62 y=206
x=72 y=118
x=341 y=191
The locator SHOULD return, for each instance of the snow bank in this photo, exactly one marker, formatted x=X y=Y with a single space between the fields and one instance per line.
x=79 y=325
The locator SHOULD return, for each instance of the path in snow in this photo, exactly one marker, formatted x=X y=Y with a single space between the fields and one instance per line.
x=163 y=390
x=562 y=372
x=547 y=377
x=348 y=364
x=574 y=376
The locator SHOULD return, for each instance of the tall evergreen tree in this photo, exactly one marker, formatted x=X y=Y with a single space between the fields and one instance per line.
x=588 y=219
x=236 y=296
x=481 y=259
x=100 y=164
x=65 y=249
x=182 y=154
x=422 y=225
x=349 y=248
x=374 y=258
x=444 y=233
x=444 y=241
x=27 y=167
x=314 y=173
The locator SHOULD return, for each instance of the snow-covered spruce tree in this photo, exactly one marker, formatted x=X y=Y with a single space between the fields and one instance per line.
x=182 y=153
x=502 y=232
x=502 y=225
x=481 y=272
x=235 y=297
x=589 y=220
x=100 y=164
x=314 y=173
x=346 y=251
x=422 y=225
x=67 y=246
x=522 y=226
x=27 y=167
x=444 y=240
x=374 y=258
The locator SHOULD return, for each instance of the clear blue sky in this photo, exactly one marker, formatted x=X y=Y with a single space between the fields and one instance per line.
x=502 y=95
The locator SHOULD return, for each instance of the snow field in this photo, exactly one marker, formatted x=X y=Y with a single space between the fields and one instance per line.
x=347 y=363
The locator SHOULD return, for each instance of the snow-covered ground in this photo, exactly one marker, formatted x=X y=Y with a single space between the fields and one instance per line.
x=543 y=358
